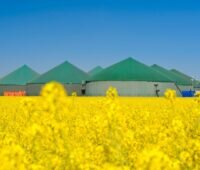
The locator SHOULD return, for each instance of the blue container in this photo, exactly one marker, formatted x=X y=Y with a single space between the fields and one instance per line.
x=188 y=93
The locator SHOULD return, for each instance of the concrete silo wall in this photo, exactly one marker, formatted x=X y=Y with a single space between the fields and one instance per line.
x=34 y=89
x=4 y=88
x=129 y=88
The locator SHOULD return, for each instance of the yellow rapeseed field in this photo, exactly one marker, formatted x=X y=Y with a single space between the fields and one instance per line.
x=56 y=132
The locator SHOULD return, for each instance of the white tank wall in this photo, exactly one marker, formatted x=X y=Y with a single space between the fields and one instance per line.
x=128 y=88
x=34 y=89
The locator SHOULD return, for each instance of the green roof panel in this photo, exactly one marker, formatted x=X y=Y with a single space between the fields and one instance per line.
x=179 y=80
x=181 y=74
x=194 y=82
x=95 y=71
x=63 y=73
x=129 y=70
x=20 y=76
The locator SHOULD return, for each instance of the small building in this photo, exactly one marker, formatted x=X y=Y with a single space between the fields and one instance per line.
x=131 y=78
x=197 y=86
x=15 y=82
x=69 y=75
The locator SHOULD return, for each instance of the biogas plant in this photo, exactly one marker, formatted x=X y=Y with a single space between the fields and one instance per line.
x=130 y=77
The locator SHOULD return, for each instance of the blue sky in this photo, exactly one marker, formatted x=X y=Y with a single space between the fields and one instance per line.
x=45 y=33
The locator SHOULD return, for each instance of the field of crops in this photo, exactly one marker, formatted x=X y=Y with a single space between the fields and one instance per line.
x=56 y=132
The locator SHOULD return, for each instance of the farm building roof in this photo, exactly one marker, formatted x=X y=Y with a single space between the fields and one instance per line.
x=180 y=73
x=95 y=70
x=179 y=80
x=194 y=82
x=19 y=76
x=63 y=73
x=129 y=70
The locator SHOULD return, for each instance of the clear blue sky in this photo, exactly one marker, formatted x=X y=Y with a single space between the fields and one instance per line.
x=44 y=33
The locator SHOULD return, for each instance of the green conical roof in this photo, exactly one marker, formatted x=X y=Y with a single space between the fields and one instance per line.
x=20 y=76
x=194 y=82
x=129 y=70
x=181 y=74
x=63 y=73
x=95 y=70
x=179 y=80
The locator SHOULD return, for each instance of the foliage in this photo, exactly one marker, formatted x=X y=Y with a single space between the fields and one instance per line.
x=57 y=132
